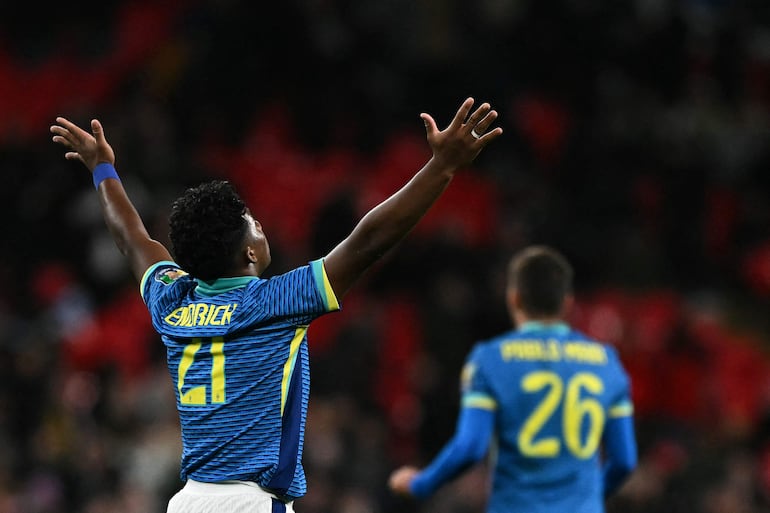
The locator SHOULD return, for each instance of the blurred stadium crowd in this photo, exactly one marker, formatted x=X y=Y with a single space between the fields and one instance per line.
x=637 y=141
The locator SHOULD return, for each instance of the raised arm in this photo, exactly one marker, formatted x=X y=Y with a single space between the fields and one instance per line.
x=389 y=222
x=121 y=217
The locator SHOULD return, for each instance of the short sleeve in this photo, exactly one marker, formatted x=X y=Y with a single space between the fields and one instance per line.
x=300 y=295
x=157 y=277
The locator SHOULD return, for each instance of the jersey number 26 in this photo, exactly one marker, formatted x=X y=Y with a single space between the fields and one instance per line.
x=578 y=399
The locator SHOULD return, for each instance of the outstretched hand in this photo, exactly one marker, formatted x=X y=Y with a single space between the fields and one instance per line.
x=90 y=149
x=466 y=135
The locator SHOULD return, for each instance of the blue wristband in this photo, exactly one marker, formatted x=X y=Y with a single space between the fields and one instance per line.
x=102 y=172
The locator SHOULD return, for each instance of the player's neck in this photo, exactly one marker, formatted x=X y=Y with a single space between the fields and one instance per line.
x=252 y=269
x=520 y=318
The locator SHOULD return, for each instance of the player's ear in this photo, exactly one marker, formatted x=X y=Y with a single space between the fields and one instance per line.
x=567 y=305
x=251 y=255
x=512 y=299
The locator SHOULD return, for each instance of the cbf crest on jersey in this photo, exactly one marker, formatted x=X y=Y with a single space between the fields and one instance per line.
x=168 y=276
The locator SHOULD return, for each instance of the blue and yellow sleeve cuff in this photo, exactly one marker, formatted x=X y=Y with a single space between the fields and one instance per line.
x=479 y=401
x=323 y=285
x=621 y=409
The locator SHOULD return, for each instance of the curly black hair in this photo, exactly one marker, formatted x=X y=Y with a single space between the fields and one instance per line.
x=206 y=228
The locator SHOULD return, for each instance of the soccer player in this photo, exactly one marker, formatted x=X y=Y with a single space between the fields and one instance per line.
x=557 y=402
x=236 y=343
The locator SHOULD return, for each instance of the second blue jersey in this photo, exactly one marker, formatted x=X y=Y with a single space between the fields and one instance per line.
x=237 y=355
x=552 y=389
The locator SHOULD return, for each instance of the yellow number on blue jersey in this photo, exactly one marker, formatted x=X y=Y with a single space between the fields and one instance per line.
x=576 y=406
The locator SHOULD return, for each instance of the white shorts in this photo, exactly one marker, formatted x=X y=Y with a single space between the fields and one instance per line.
x=226 y=497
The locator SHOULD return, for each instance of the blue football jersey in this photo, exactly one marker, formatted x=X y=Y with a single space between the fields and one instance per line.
x=552 y=390
x=237 y=355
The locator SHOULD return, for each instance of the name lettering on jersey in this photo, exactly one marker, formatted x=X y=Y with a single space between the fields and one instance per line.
x=552 y=350
x=532 y=349
x=585 y=352
x=201 y=314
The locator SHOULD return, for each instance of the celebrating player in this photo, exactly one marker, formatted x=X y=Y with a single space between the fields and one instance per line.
x=554 y=397
x=236 y=343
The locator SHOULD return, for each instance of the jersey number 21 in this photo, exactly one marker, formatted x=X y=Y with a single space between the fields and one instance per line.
x=196 y=396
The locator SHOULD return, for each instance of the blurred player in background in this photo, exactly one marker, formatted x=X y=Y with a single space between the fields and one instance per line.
x=236 y=343
x=553 y=398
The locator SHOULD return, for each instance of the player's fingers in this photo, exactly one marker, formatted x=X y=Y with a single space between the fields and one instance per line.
x=490 y=136
x=462 y=114
x=63 y=136
x=61 y=140
x=392 y=481
x=77 y=133
x=98 y=131
x=396 y=481
x=484 y=123
x=430 y=124
x=73 y=155
x=477 y=115
x=59 y=130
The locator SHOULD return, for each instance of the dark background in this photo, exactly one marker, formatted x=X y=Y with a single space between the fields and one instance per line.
x=636 y=141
